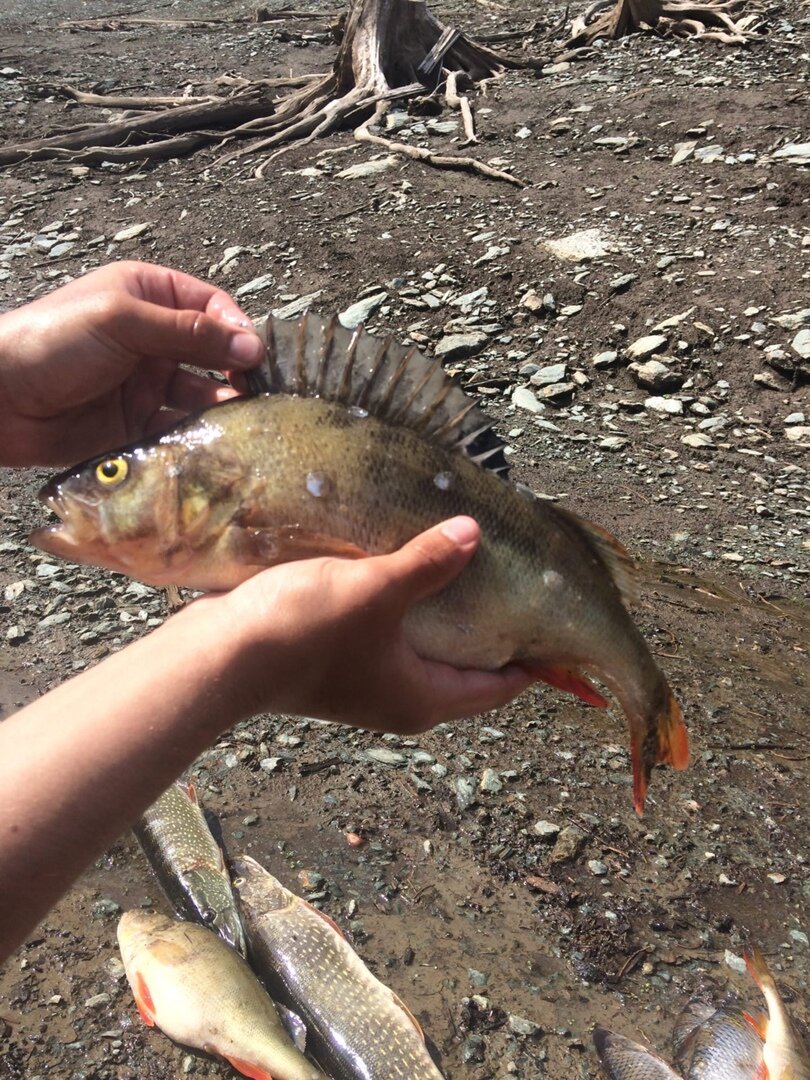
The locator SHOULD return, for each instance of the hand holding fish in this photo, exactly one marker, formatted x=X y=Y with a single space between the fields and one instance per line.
x=96 y=363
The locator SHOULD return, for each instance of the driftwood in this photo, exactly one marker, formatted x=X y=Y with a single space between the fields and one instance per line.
x=734 y=22
x=186 y=118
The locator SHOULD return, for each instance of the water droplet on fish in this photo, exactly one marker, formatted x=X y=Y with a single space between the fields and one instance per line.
x=443 y=480
x=357 y=412
x=319 y=484
x=551 y=579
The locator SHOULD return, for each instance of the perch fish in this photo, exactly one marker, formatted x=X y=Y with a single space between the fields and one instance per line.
x=201 y=993
x=355 y=446
x=188 y=862
x=356 y=1027
x=623 y=1059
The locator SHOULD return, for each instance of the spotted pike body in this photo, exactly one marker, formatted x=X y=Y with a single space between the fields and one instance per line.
x=353 y=447
x=357 y=1028
x=188 y=862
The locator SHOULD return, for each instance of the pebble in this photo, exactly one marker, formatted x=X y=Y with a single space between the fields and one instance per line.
x=368 y=168
x=255 y=286
x=557 y=393
x=605 y=359
x=353 y=316
x=799 y=433
x=569 y=843
x=547 y=829
x=646 y=346
x=98 y=1001
x=736 y=963
x=554 y=373
x=385 y=756
x=801 y=344
x=132 y=231
x=696 y=439
x=464 y=788
x=519 y=1025
x=460 y=346
x=655 y=376
x=524 y=398
x=294 y=307
x=614 y=443
x=597 y=868
x=491 y=781
x=673 y=406
x=532 y=301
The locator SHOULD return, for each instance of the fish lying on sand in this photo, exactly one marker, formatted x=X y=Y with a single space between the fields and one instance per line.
x=188 y=862
x=623 y=1059
x=201 y=993
x=357 y=446
x=717 y=1043
x=785 y=1056
x=357 y=1028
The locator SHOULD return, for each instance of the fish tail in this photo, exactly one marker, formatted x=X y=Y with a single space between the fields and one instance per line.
x=758 y=969
x=658 y=737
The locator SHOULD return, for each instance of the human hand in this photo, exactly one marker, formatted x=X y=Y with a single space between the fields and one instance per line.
x=325 y=638
x=95 y=364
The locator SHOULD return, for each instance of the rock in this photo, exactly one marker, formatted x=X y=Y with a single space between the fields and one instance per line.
x=672 y=406
x=798 y=937
x=519 y=1025
x=469 y=300
x=770 y=380
x=16 y=633
x=793 y=153
x=98 y=1001
x=793 y=320
x=614 y=443
x=256 y=285
x=697 y=439
x=683 y=150
x=569 y=844
x=294 y=307
x=132 y=231
x=646 y=346
x=491 y=782
x=524 y=398
x=801 y=344
x=597 y=868
x=523 y=133
x=545 y=376
x=368 y=168
x=56 y=619
x=655 y=376
x=794 y=418
x=532 y=301
x=558 y=393
x=464 y=788
x=106 y=909
x=799 y=433
x=605 y=359
x=579 y=246
x=442 y=127
x=472 y=1049
x=359 y=312
x=459 y=346
x=736 y=963
x=385 y=756
x=547 y=830
x=622 y=283
x=310 y=880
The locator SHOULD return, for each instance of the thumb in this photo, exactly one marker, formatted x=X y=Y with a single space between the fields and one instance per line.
x=433 y=559
x=185 y=335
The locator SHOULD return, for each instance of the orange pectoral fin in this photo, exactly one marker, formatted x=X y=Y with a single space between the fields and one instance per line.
x=759 y=1022
x=410 y=1016
x=143 y=1000
x=255 y=1072
x=568 y=679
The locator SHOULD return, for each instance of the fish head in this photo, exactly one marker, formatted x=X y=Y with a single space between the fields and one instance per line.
x=259 y=892
x=137 y=930
x=148 y=510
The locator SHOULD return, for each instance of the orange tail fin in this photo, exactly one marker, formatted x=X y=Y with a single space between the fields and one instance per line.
x=660 y=739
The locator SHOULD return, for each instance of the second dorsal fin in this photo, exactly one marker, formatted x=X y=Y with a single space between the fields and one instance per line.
x=311 y=357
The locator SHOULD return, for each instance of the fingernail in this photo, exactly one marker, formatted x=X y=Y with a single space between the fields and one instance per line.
x=245 y=350
x=461 y=530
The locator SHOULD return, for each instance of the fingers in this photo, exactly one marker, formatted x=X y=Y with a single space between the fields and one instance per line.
x=174 y=289
x=432 y=560
x=189 y=393
x=185 y=336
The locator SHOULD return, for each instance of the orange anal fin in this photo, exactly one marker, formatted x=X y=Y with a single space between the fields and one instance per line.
x=409 y=1014
x=659 y=738
x=289 y=543
x=326 y=919
x=246 y=1068
x=568 y=679
x=143 y=1000
x=759 y=1022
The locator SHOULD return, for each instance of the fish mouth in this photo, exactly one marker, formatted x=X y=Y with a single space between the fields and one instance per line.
x=76 y=525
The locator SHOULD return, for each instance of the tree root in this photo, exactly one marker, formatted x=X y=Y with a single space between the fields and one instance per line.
x=418 y=153
x=722 y=20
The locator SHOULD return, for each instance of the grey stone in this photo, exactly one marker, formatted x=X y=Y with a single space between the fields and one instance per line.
x=98 y=1001
x=605 y=359
x=132 y=231
x=464 y=787
x=532 y=301
x=524 y=398
x=547 y=830
x=491 y=782
x=801 y=344
x=597 y=867
x=646 y=346
x=569 y=844
x=655 y=376
x=799 y=433
x=359 y=312
x=558 y=393
x=613 y=443
x=385 y=756
x=519 y=1025
x=696 y=439
x=294 y=307
x=459 y=346
x=546 y=376
x=672 y=406
x=368 y=168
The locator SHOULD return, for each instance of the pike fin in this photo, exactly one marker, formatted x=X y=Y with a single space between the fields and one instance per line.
x=568 y=679
x=312 y=357
x=659 y=739
x=325 y=917
x=610 y=551
x=143 y=1000
x=246 y=1068
x=417 y=1026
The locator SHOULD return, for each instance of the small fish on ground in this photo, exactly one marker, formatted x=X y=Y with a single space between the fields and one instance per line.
x=188 y=862
x=201 y=993
x=623 y=1059
x=785 y=1056
x=357 y=1028
x=717 y=1043
x=354 y=447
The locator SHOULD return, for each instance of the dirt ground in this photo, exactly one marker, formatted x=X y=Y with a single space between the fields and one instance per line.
x=506 y=955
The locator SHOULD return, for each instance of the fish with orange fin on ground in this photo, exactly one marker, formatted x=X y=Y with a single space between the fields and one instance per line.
x=717 y=1043
x=354 y=446
x=201 y=993
x=785 y=1056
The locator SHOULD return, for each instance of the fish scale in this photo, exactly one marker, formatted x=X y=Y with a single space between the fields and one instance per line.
x=717 y=1044
x=356 y=1027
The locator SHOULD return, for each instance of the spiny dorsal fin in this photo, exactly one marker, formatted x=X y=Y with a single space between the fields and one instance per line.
x=311 y=357
x=614 y=555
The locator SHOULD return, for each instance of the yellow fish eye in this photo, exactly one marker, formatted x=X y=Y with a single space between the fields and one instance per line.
x=112 y=471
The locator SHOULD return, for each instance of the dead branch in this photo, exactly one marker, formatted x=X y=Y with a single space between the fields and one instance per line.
x=419 y=153
x=462 y=103
x=157 y=150
x=122 y=101
x=185 y=118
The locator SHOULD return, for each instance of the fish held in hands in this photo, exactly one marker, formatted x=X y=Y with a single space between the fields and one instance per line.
x=188 y=862
x=623 y=1059
x=357 y=1028
x=353 y=447
x=201 y=993
x=785 y=1056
